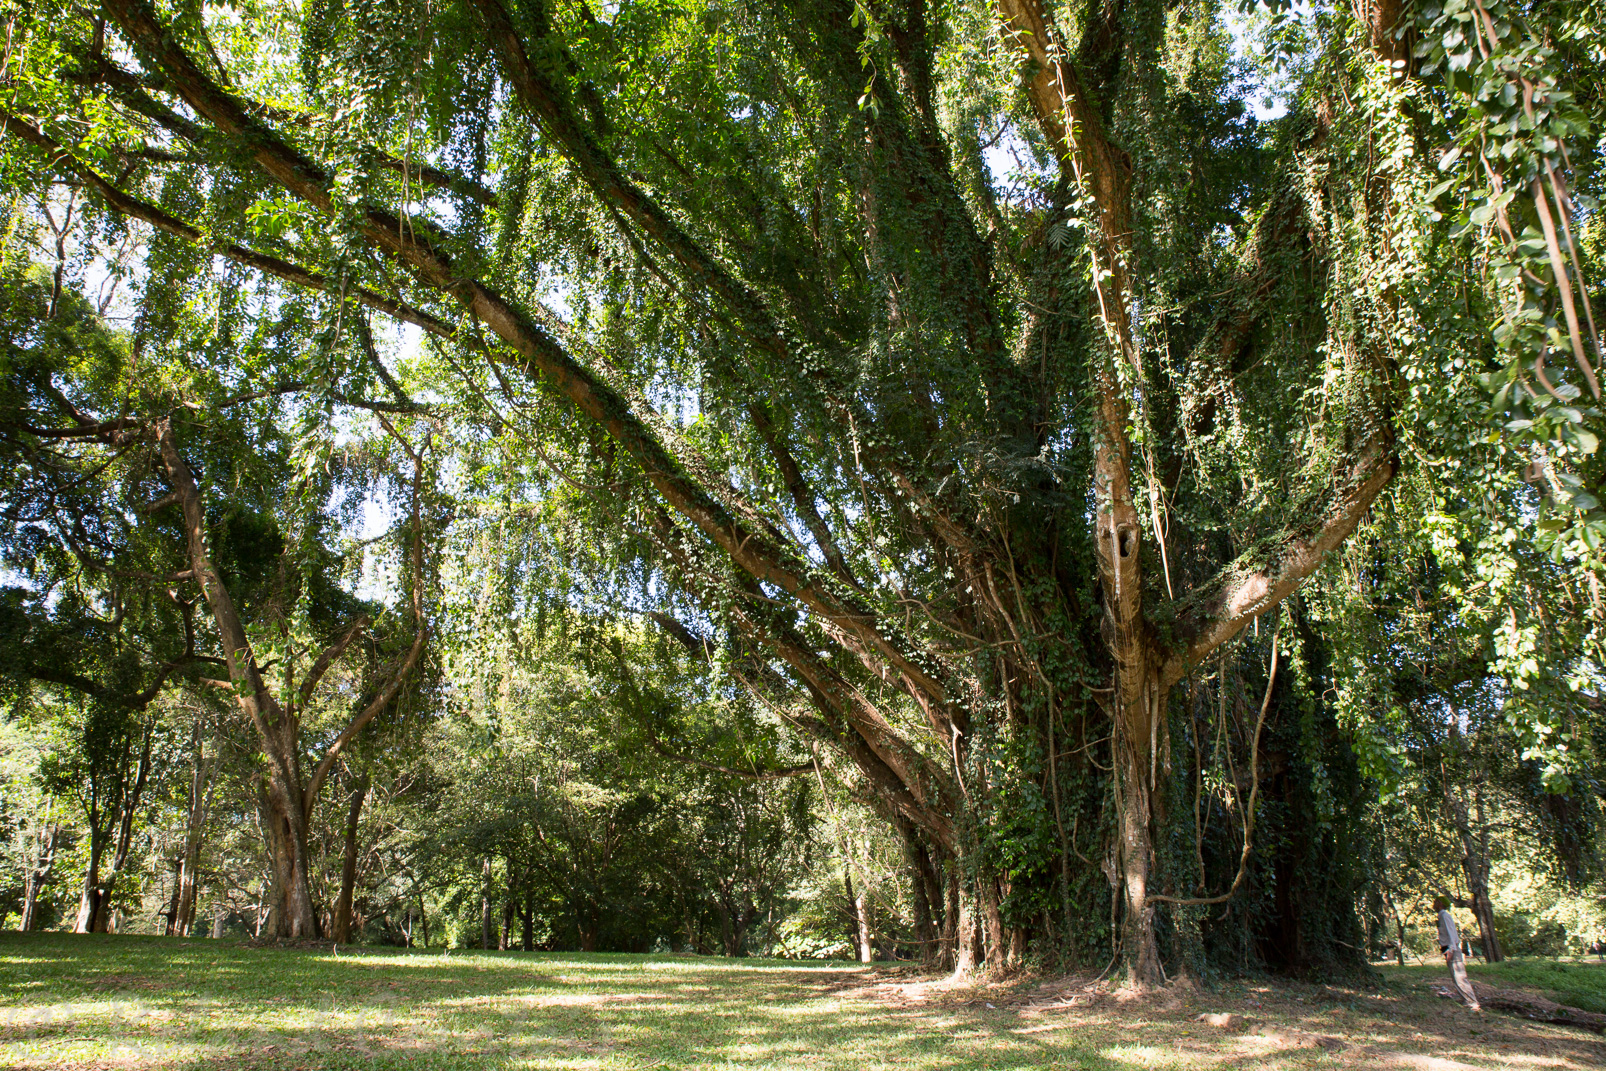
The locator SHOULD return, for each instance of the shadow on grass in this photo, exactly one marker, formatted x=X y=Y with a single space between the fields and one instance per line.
x=92 y=1002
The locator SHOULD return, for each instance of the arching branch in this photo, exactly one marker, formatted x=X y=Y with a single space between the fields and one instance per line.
x=1272 y=571
x=415 y=243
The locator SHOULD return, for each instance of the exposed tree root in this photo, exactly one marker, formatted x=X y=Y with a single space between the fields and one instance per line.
x=1532 y=1006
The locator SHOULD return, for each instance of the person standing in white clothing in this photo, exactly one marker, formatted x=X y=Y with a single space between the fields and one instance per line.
x=1450 y=945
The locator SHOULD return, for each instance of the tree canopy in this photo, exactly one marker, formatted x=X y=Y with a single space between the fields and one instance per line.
x=1123 y=496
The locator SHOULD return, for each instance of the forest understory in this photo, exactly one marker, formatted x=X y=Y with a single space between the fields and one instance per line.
x=130 y=1002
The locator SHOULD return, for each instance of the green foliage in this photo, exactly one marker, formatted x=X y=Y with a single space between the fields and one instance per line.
x=774 y=419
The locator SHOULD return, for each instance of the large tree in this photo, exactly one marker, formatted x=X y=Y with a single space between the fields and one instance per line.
x=975 y=462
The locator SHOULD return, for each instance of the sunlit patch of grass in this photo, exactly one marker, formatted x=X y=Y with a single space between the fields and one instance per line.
x=97 y=1003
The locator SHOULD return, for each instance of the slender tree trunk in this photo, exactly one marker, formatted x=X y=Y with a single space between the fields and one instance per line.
x=967 y=939
x=727 y=926
x=272 y=833
x=423 y=919
x=125 y=829
x=170 y=916
x=586 y=922
x=925 y=930
x=750 y=915
x=853 y=908
x=861 y=911
x=1475 y=864
x=340 y=930
x=950 y=922
x=200 y=797
x=487 y=924
x=38 y=876
x=506 y=937
x=1136 y=797
x=528 y=919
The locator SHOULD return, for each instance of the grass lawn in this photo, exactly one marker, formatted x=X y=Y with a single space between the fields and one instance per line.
x=96 y=1003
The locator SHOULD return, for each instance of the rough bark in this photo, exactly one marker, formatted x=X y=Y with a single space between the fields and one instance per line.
x=861 y=916
x=968 y=949
x=927 y=894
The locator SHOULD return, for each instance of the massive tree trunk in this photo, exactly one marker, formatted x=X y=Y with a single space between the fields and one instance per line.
x=926 y=896
x=289 y=813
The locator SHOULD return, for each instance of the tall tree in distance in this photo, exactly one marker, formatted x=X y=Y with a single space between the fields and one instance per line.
x=274 y=617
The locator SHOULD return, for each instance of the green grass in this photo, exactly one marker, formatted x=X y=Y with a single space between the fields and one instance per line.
x=95 y=1003
x=1580 y=983
x=83 y=1001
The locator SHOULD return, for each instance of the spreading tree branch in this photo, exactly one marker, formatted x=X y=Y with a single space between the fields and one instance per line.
x=415 y=243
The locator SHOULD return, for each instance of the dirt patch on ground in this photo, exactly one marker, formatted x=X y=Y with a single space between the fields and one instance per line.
x=306 y=944
x=1243 y=1025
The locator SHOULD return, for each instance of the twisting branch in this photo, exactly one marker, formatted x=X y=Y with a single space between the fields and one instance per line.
x=253 y=695
x=135 y=94
x=327 y=658
x=1254 y=797
x=548 y=104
